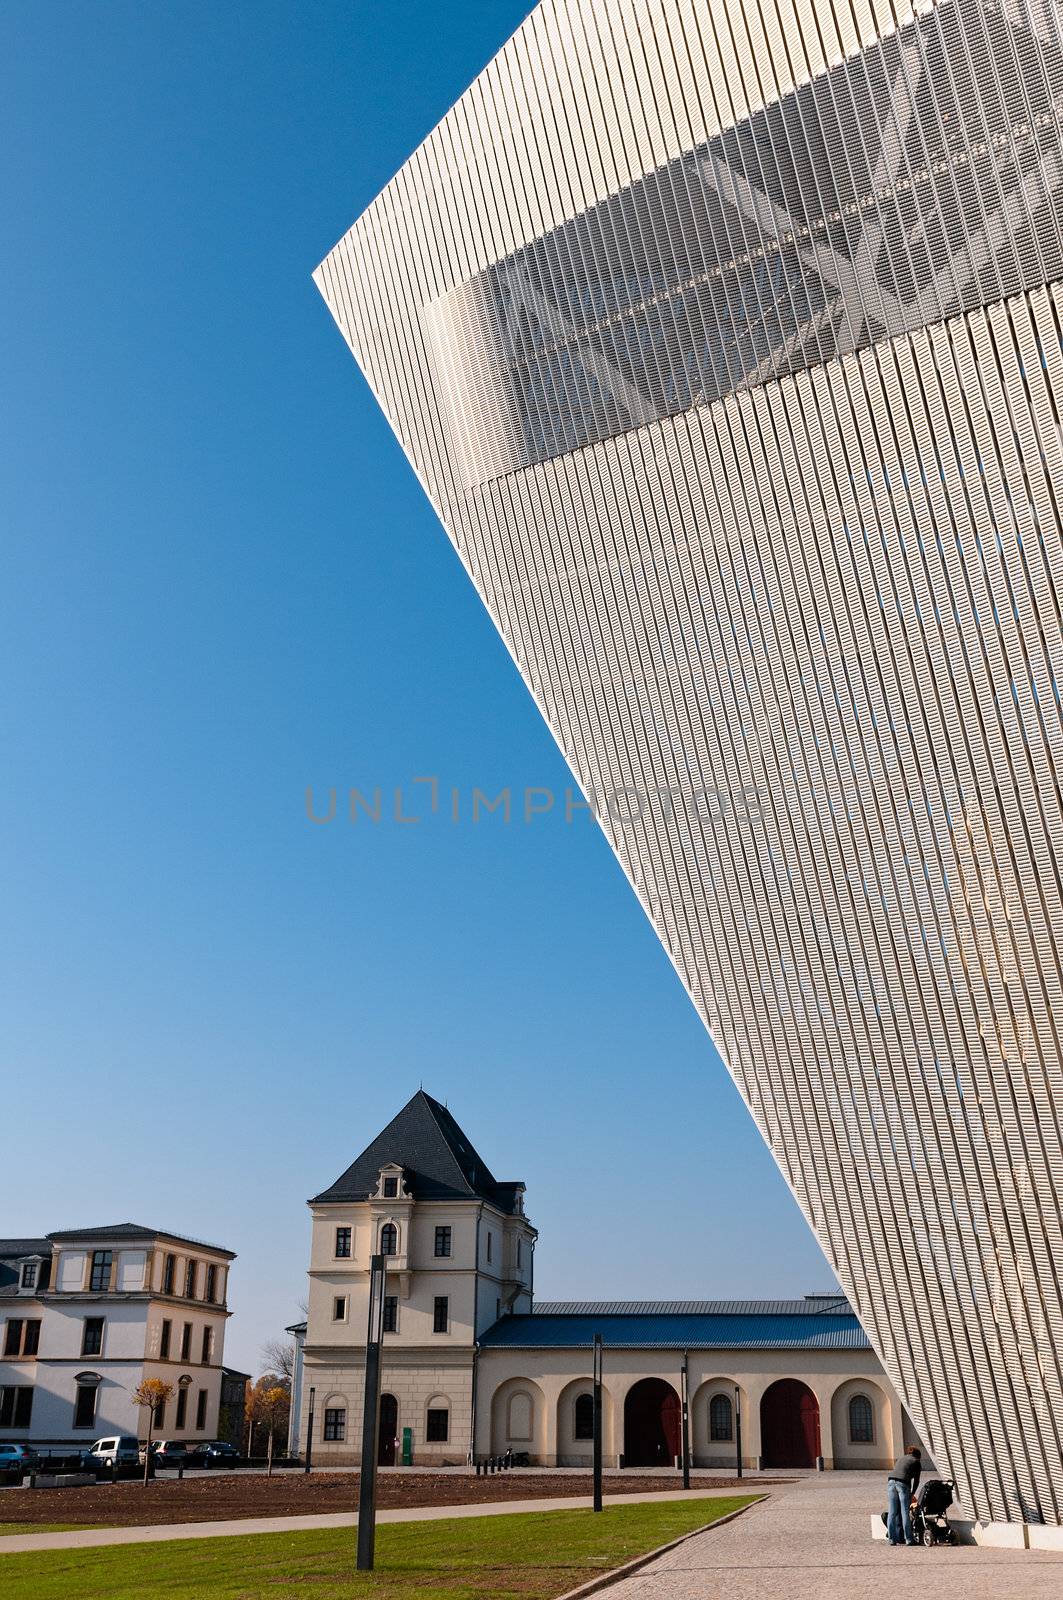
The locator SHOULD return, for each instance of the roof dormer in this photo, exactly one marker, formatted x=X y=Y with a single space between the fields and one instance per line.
x=391 y=1183
x=31 y=1275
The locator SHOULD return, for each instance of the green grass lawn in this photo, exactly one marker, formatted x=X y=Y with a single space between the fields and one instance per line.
x=39 y=1527
x=515 y=1557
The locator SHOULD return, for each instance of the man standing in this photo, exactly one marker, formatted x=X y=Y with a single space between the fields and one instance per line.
x=901 y=1485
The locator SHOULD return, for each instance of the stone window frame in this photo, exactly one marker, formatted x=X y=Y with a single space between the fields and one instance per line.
x=583 y=1416
x=85 y=1384
x=93 y=1333
x=101 y=1269
x=716 y=1424
x=338 y=1423
x=866 y=1433
x=520 y=1438
x=439 y=1404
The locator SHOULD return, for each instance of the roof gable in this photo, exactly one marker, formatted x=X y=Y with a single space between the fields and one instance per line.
x=438 y=1159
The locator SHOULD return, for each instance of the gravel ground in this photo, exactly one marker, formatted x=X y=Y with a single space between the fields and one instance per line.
x=812 y=1541
x=224 y=1497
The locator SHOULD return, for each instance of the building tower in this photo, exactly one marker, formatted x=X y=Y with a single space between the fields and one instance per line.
x=724 y=336
x=459 y=1255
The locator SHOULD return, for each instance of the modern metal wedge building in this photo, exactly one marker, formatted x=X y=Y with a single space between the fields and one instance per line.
x=724 y=336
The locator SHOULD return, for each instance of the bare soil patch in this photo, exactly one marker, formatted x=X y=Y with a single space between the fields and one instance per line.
x=220 y=1497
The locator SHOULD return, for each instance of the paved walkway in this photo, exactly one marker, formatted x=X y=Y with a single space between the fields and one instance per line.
x=85 y=1538
x=811 y=1541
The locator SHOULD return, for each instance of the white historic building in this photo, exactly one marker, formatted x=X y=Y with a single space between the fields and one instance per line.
x=471 y=1367
x=86 y=1314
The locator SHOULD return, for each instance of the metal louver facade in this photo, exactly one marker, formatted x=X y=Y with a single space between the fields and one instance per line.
x=725 y=337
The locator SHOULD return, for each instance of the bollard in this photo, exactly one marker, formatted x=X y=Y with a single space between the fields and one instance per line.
x=180 y=1472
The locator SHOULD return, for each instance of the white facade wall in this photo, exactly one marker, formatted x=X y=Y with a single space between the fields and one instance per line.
x=423 y=1369
x=131 y=1344
x=758 y=471
x=542 y=1420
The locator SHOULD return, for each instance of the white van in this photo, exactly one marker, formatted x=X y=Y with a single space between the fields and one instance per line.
x=117 y=1451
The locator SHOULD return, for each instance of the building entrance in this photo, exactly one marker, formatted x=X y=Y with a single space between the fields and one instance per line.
x=789 y=1425
x=652 y=1425
x=389 y=1427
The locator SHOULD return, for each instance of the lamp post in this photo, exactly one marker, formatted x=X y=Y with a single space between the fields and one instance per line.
x=310 y=1430
x=596 y=1413
x=371 y=1416
x=686 y=1418
x=738 y=1428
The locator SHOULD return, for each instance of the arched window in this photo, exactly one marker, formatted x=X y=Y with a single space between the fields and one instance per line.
x=521 y=1414
x=584 y=1419
x=389 y=1240
x=861 y=1420
x=437 y=1420
x=721 y=1425
x=334 y=1430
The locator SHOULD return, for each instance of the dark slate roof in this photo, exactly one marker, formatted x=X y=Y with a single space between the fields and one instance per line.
x=818 y=1328
x=14 y=1250
x=131 y=1230
x=11 y=1249
x=437 y=1158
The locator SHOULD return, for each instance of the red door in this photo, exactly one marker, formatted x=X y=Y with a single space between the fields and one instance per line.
x=789 y=1425
x=652 y=1424
x=672 y=1425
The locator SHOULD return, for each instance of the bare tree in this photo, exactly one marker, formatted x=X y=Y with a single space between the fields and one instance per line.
x=278 y=1357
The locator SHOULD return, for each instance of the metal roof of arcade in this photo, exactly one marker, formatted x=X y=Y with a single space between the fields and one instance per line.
x=812 y=1327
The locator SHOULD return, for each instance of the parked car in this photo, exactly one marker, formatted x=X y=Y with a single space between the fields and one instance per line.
x=219 y=1453
x=120 y=1450
x=18 y=1459
x=169 y=1454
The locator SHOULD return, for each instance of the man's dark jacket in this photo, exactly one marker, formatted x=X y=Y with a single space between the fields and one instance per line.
x=908 y=1470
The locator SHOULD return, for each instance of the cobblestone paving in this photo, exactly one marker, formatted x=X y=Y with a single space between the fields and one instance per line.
x=812 y=1541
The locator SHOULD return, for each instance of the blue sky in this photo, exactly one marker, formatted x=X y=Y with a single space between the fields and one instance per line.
x=221 y=585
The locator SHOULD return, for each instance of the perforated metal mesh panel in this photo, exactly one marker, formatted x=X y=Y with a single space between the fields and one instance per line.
x=828 y=220
x=795 y=626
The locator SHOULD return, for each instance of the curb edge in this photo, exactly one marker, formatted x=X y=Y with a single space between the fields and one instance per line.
x=618 y=1574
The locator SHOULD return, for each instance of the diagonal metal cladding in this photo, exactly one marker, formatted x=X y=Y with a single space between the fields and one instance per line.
x=734 y=368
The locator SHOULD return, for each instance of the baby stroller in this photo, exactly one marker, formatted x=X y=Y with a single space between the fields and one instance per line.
x=930 y=1523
